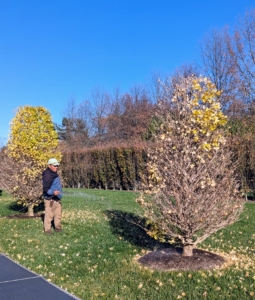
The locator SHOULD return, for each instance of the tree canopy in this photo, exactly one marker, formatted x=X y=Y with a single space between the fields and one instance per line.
x=32 y=142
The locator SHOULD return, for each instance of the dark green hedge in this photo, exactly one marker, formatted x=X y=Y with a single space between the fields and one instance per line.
x=107 y=168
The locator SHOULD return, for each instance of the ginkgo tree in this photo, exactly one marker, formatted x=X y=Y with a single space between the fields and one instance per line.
x=33 y=140
x=192 y=189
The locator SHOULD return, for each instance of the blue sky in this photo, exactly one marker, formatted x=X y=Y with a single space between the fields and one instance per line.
x=55 y=50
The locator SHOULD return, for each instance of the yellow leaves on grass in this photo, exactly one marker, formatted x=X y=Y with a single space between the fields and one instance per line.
x=81 y=216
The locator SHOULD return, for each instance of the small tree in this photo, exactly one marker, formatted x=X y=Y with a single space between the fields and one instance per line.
x=32 y=142
x=192 y=191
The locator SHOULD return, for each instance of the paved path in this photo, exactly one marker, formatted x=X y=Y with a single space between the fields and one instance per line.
x=18 y=283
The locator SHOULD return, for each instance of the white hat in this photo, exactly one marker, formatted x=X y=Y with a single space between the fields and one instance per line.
x=53 y=162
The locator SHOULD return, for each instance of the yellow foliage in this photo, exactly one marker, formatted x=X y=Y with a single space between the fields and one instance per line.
x=33 y=135
x=200 y=121
x=206 y=113
x=33 y=141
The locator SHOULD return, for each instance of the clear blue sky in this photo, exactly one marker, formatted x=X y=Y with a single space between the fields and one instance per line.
x=55 y=50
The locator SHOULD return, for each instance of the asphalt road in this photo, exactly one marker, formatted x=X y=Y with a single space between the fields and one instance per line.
x=18 y=283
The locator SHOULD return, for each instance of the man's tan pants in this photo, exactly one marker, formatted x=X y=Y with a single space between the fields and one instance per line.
x=52 y=212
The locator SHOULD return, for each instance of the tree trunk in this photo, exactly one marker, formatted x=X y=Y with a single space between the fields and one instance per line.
x=187 y=250
x=30 y=211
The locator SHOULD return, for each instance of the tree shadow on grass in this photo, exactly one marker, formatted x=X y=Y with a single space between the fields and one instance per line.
x=21 y=211
x=1 y=193
x=128 y=226
x=162 y=256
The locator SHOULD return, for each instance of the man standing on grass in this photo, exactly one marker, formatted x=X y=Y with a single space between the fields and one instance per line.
x=52 y=193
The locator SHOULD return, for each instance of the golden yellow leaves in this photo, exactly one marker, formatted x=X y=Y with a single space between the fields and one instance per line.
x=198 y=117
x=33 y=135
x=208 y=182
x=193 y=130
x=206 y=114
x=206 y=146
x=140 y=199
x=32 y=142
x=154 y=173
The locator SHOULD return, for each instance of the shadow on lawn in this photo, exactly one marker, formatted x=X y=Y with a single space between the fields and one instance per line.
x=163 y=256
x=126 y=225
x=20 y=208
x=1 y=192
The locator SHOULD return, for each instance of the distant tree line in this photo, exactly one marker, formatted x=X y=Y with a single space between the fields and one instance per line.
x=227 y=58
x=104 y=118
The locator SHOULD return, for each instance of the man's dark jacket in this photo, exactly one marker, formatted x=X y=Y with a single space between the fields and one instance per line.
x=51 y=182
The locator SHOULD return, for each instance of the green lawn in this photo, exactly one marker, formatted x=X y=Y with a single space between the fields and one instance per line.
x=95 y=256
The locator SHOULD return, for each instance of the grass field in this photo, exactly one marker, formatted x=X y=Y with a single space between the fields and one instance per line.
x=95 y=256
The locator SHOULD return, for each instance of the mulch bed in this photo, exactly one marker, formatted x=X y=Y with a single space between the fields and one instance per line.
x=170 y=259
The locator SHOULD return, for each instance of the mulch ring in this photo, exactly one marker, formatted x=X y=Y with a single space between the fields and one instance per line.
x=25 y=216
x=170 y=259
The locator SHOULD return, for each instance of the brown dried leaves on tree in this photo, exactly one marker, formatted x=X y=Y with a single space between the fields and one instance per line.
x=192 y=190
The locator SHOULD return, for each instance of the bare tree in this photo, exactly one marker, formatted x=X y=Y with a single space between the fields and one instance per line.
x=192 y=190
x=130 y=115
x=153 y=86
x=76 y=124
x=242 y=50
x=10 y=181
x=100 y=107
x=114 y=117
x=105 y=117
x=3 y=142
x=220 y=67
